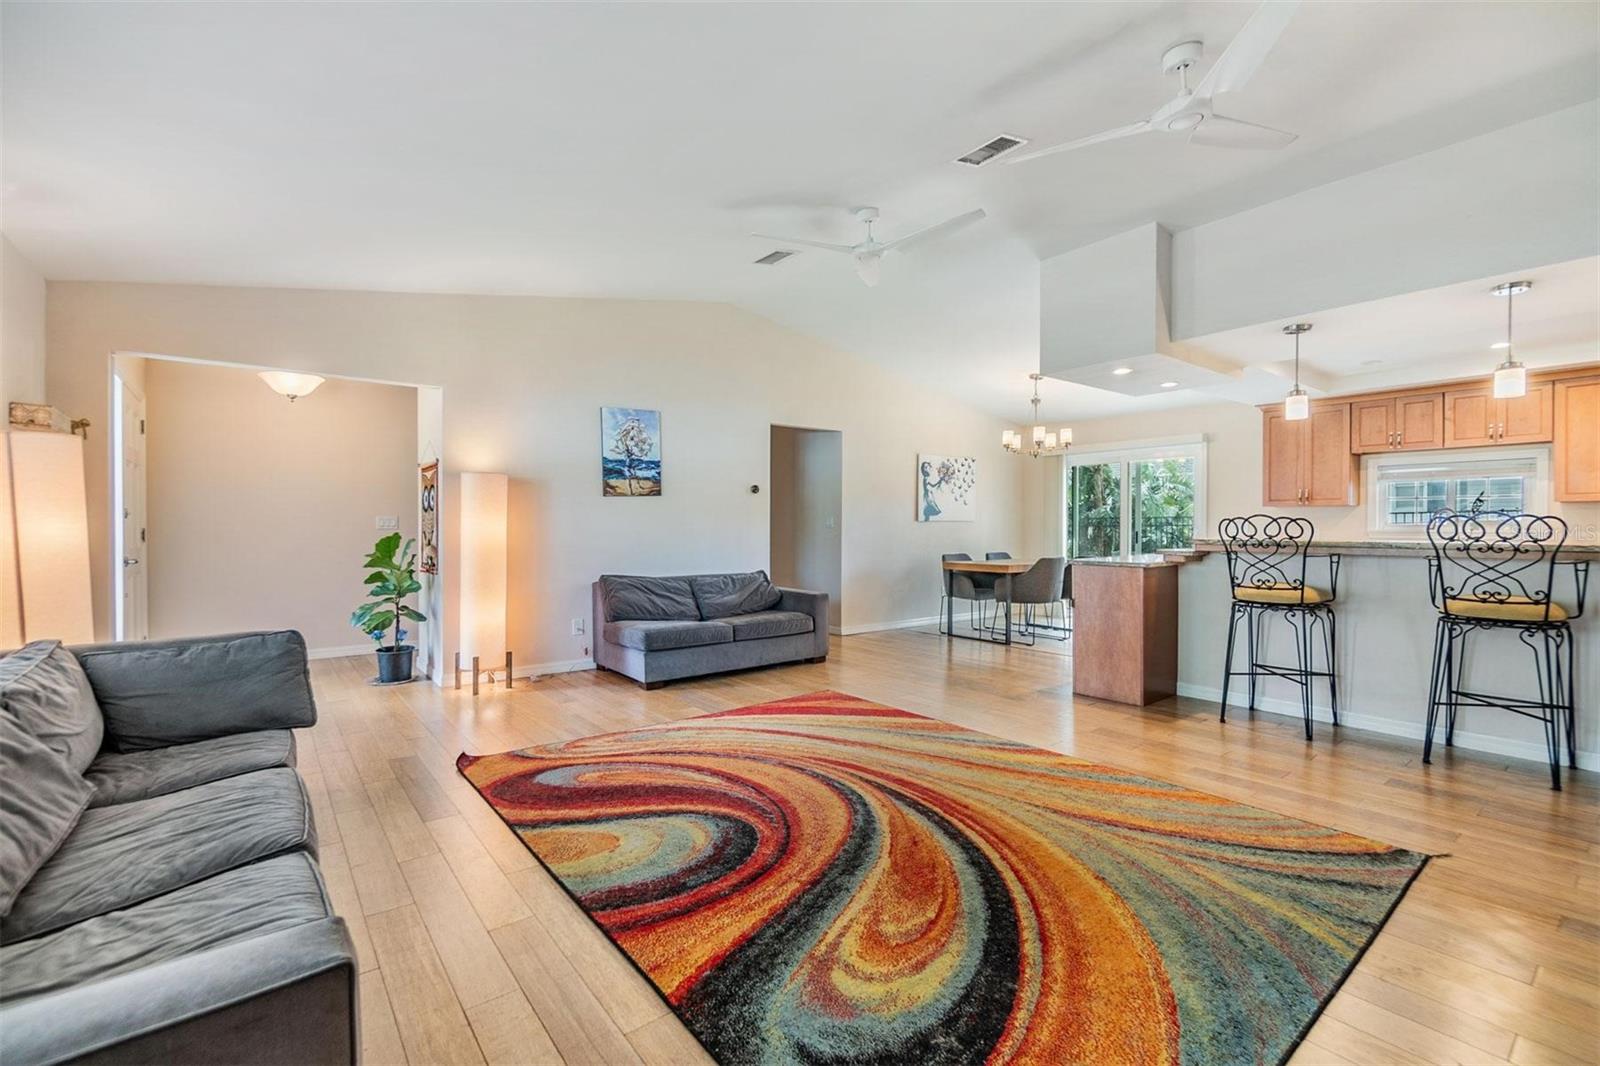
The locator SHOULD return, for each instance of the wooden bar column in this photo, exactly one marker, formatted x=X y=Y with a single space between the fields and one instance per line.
x=1125 y=629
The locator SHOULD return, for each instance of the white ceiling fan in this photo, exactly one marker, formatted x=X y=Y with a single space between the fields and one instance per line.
x=869 y=253
x=1190 y=111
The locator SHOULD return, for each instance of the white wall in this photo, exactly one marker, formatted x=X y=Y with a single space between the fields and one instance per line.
x=261 y=510
x=1519 y=197
x=523 y=381
x=807 y=501
x=22 y=328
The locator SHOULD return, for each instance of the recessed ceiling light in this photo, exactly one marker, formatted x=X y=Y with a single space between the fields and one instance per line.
x=1169 y=384
x=1121 y=370
x=1498 y=345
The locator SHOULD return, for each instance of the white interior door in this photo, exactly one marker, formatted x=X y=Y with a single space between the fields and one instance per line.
x=133 y=621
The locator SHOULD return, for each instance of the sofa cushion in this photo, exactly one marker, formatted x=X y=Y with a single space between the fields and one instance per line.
x=765 y=624
x=41 y=799
x=119 y=777
x=724 y=595
x=43 y=685
x=170 y=692
x=124 y=854
x=662 y=636
x=647 y=598
x=234 y=905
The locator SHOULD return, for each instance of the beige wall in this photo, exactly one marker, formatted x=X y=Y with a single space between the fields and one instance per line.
x=261 y=510
x=22 y=318
x=523 y=381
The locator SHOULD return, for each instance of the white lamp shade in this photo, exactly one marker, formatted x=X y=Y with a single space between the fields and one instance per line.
x=44 y=540
x=1066 y=435
x=1038 y=434
x=1005 y=439
x=482 y=607
x=1510 y=381
x=1049 y=440
x=287 y=383
x=1297 y=408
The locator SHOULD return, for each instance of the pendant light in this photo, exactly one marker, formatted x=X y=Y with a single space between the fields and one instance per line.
x=1510 y=377
x=1297 y=405
x=1044 y=442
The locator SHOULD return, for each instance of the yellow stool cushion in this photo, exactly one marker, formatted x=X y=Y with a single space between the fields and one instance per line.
x=1279 y=593
x=1514 y=609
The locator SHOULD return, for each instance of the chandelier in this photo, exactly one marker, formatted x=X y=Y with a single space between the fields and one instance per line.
x=1044 y=442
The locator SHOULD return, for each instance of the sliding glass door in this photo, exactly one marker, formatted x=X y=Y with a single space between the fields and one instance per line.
x=1134 y=500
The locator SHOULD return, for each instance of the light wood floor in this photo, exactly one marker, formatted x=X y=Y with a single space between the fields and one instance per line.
x=470 y=953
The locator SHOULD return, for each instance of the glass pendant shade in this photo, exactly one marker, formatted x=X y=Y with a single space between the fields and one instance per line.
x=1049 y=440
x=1297 y=406
x=1510 y=380
x=1065 y=436
x=1005 y=439
x=1038 y=434
x=292 y=385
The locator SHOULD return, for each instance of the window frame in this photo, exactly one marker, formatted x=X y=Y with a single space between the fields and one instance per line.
x=1124 y=455
x=1455 y=463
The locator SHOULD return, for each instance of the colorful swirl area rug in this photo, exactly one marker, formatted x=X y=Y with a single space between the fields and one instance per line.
x=827 y=880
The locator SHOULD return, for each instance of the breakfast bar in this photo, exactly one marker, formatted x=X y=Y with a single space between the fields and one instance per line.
x=1125 y=628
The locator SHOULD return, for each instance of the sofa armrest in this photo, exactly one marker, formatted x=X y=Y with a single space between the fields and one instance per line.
x=158 y=693
x=285 y=997
x=816 y=605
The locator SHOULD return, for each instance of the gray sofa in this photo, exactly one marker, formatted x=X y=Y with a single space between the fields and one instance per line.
x=159 y=893
x=660 y=629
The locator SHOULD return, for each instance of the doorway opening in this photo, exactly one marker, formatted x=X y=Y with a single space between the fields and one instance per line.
x=235 y=507
x=807 y=504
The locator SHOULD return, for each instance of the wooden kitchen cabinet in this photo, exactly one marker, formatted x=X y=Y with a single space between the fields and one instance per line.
x=1397 y=423
x=1473 y=417
x=1308 y=463
x=1576 y=417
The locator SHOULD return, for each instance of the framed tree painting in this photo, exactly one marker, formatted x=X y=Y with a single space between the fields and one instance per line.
x=947 y=488
x=630 y=451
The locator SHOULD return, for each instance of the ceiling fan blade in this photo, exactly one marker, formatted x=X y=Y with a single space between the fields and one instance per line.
x=1246 y=51
x=869 y=267
x=1220 y=131
x=1094 y=138
x=942 y=229
x=825 y=246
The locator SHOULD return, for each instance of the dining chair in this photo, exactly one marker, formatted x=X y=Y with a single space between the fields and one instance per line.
x=1039 y=585
x=962 y=587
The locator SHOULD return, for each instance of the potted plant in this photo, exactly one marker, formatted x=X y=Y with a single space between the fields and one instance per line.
x=391 y=579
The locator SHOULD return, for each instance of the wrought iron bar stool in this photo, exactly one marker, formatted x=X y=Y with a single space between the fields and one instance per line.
x=1496 y=571
x=1267 y=561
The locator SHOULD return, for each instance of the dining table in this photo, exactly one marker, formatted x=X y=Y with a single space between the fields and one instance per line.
x=1005 y=569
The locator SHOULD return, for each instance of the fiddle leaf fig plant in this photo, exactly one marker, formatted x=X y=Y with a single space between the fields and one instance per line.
x=391 y=579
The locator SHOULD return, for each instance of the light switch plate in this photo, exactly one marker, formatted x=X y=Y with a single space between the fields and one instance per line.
x=386 y=521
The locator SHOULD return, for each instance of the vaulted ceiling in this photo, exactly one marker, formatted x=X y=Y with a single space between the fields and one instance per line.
x=629 y=150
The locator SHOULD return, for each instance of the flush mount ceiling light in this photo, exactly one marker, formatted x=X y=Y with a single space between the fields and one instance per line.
x=1510 y=377
x=1044 y=441
x=1122 y=371
x=1169 y=384
x=1297 y=405
x=1500 y=345
x=286 y=383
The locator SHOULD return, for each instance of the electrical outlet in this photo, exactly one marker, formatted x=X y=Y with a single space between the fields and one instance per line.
x=386 y=521
x=577 y=627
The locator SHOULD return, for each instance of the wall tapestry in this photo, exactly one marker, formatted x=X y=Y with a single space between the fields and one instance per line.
x=428 y=519
x=630 y=451
x=947 y=488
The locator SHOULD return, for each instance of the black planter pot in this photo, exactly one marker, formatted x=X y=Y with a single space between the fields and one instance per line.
x=394 y=664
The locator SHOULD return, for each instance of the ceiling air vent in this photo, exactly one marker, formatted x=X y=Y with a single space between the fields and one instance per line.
x=774 y=258
x=999 y=146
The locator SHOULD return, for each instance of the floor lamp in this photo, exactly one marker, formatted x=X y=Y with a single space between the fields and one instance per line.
x=44 y=539
x=482 y=604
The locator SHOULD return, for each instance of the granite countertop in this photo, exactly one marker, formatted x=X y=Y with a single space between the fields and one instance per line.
x=1392 y=548
x=1142 y=561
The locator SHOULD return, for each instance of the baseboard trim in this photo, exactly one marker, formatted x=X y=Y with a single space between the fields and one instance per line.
x=879 y=627
x=564 y=666
x=1288 y=708
x=340 y=653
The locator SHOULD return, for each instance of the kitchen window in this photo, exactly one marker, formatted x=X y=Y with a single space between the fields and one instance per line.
x=1405 y=491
